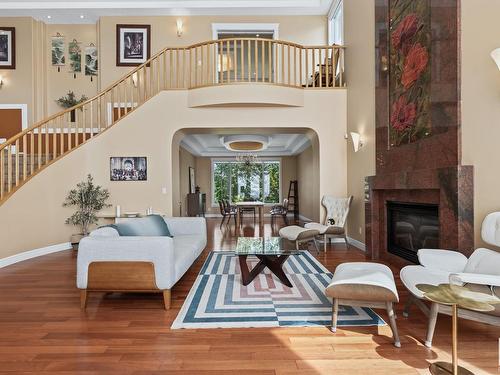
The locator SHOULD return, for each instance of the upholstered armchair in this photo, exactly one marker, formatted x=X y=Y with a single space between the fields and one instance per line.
x=337 y=211
x=480 y=272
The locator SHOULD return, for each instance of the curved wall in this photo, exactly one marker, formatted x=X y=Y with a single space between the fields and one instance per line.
x=34 y=217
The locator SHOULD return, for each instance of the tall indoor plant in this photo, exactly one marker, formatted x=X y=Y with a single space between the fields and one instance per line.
x=69 y=101
x=88 y=199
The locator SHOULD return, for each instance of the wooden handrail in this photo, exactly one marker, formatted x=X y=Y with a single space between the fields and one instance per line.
x=211 y=63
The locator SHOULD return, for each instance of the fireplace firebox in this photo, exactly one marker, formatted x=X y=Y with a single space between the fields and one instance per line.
x=410 y=227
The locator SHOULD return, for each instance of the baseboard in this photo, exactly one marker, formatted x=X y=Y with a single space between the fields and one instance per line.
x=4 y=262
x=360 y=245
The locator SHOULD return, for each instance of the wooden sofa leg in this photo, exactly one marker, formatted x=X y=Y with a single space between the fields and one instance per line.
x=433 y=314
x=83 y=299
x=166 y=298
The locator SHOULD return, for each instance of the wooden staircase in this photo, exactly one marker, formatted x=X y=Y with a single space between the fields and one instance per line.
x=254 y=60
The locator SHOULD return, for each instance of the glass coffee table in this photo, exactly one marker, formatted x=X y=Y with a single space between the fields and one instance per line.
x=270 y=253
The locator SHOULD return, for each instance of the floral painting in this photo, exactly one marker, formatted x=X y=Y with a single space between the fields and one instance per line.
x=410 y=71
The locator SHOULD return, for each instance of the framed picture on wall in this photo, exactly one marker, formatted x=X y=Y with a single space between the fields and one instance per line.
x=133 y=44
x=7 y=48
x=126 y=168
x=192 y=182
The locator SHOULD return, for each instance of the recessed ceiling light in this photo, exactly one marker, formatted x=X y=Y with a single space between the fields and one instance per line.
x=49 y=17
x=82 y=16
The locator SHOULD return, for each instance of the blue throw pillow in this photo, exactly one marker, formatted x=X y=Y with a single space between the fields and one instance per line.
x=149 y=226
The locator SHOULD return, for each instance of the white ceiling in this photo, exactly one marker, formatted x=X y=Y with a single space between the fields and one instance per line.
x=210 y=145
x=65 y=11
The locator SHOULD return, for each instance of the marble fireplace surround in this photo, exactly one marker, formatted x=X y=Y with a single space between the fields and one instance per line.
x=428 y=170
x=450 y=188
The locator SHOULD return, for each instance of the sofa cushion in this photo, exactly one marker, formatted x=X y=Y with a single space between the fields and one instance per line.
x=186 y=249
x=150 y=226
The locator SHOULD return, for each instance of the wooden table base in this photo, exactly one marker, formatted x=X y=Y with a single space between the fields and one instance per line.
x=273 y=262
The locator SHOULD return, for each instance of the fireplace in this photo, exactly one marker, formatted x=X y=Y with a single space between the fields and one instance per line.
x=410 y=227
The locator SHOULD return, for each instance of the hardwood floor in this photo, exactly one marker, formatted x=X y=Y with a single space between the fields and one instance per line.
x=43 y=330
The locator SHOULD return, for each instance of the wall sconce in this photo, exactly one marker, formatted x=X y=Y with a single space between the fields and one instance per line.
x=495 y=55
x=357 y=142
x=179 y=27
x=134 y=79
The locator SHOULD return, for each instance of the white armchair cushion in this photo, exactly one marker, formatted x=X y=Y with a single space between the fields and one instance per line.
x=483 y=261
x=411 y=276
x=474 y=278
x=490 y=229
x=443 y=260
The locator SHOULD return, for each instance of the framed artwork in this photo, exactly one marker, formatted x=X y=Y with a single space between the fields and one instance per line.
x=409 y=71
x=129 y=168
x=75 y=56
x=7 y=47
x=58 y=50
x=192 y=182
x=91 y=64
x=133 y=44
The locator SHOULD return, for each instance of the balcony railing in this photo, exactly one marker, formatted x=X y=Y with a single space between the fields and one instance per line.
x=218 y=62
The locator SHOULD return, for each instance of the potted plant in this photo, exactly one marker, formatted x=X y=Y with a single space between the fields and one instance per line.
x=88 y=200
x=69 y=101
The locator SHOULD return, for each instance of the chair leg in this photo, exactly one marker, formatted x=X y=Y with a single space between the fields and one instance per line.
x=285 y=219
x=166 y=298
x=324 y=242
x=83 y=299
x=346 y=242
x=222 y=221
x=433 y=314
x=392 y=322
x=409 y=302
x=297 y=245
x=316 y=245
x=335 y=314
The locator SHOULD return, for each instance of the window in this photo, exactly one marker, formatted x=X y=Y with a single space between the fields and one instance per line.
x=237 y=181
x=336 y=23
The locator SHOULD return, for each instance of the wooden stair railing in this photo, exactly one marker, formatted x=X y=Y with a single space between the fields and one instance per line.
x=218 y=62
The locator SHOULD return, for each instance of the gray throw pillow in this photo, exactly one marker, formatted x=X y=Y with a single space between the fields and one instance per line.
x=149 y=226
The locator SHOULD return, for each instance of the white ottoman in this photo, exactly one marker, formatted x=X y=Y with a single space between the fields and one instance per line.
x=364 y=284
x=299 y=235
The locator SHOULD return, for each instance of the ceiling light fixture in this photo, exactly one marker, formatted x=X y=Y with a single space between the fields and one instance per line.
x=82 y=16
x=247 y=159
x=49 y=17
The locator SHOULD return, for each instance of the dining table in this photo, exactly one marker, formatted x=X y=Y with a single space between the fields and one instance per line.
x=250 y=204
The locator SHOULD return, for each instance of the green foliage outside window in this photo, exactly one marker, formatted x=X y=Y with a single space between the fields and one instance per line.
x=238 y=182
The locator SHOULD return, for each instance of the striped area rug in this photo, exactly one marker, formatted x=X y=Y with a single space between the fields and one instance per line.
x=219 y=300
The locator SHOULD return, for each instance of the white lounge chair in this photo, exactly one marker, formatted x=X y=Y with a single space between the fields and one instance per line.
x=480 y=272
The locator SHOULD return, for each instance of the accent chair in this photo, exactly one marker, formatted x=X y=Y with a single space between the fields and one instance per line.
x=480 y=273
x=337 y=211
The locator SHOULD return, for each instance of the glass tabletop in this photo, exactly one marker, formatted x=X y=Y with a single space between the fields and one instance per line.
x=262 y=246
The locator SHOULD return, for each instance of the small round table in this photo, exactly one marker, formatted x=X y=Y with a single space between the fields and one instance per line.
x=456 y=296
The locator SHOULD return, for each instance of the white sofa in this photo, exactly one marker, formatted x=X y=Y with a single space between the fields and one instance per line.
x=109 y=262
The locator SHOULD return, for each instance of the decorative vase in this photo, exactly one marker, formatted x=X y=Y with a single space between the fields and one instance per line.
x=75 y=239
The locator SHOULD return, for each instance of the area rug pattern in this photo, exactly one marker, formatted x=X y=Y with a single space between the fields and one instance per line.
x=219 y=300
